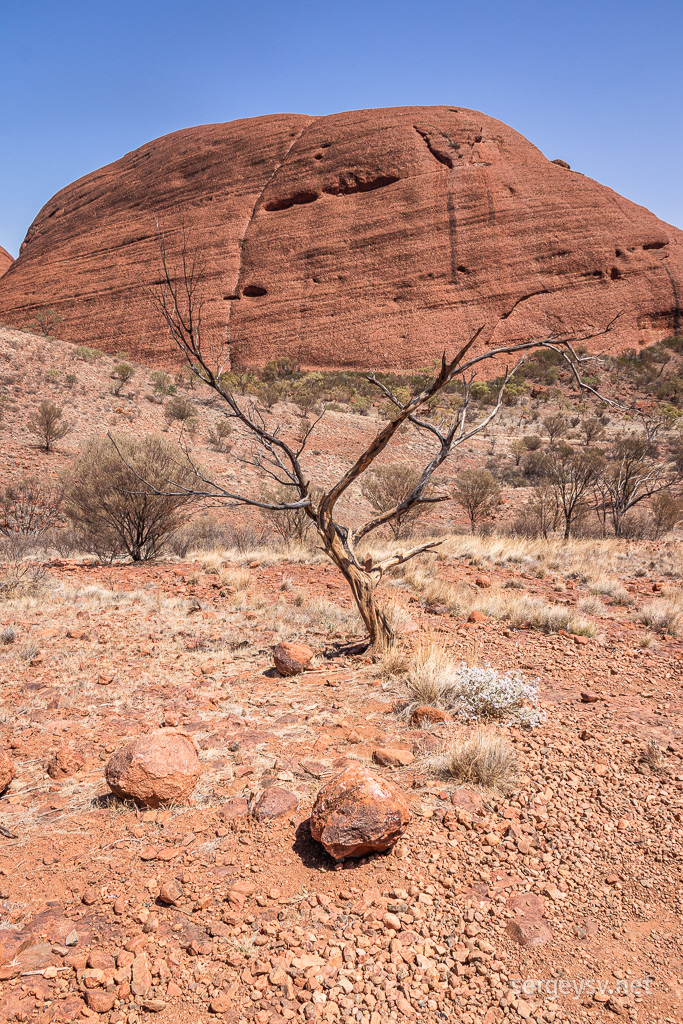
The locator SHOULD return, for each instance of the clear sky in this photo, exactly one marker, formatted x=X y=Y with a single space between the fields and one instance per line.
x=593 y=82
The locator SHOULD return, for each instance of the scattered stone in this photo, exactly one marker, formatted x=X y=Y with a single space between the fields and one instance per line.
x=65 y=762
x=291 y=659
x=589 y=698
x=274 y=802
x=425 y=713
x=158 y=768
x=357 y=813
x=477 y=616
x=99 y=1000
x=170 y=892
x=392 y=757
x=238 y=807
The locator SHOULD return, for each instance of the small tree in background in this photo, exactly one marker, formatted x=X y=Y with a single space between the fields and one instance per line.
x=111 y=492
x=592 y=430
x=571 y=474
x=49 y=425
x=45 y=323
x=556 y=426
x=218 y=435
x=478 y=492
x=121 y=374
x=386 y=487
x=667 y=512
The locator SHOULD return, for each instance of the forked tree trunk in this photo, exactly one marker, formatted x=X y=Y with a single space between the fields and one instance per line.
x=363 y=584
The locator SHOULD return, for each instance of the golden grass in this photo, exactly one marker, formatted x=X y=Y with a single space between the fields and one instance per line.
x=481 y=758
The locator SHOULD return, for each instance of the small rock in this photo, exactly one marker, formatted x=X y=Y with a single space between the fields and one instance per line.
x=425 y=713
x=273 y=803
x=170 y=892
x=436 y=609
x=7 y=771
x=357 y=813
x=65 y=762
x=220 y=1004
x=529 y=932
x=589 y=698
x=482 y=581
x=142 y=976
x=238 y=807
x=476 y=616
x=154 y=1005
x=392 y=757
x=156 y=769
x=99 y=1000
x=291 y=659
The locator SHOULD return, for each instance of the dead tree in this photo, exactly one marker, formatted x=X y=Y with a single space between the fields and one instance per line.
x=179 y=302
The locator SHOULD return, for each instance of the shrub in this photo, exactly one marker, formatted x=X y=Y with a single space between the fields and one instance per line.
x=121 y=374
x=48 y=425
x=110 y=494
x=29 y=507
x=472 y=692
x=290 y=524
x=180 y=409
x=218 y=435
x=482 y=758
x=162 y=383
x=45 y=323
x=662 y=615
x=88 y=355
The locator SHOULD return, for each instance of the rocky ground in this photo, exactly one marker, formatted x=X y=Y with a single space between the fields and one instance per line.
x=558 y=900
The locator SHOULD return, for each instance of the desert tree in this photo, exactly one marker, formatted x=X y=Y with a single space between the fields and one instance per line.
x=517 y=449
x=281 y=460
x=386 y=487
x=49 y=425
x=477 y=492
x=633 y=473
x=556 y=426
x=571 y=474
x=45 y=323
x=592 y=430
x=105 y=498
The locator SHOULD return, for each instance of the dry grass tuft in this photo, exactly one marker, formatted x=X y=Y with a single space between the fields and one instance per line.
x=652 y=755
x=663 y=614
x=481 y=758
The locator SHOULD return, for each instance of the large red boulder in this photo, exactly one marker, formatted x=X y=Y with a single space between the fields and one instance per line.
x=361 y=239
x=291 y=659
x=7 y=771
x=358 y=813
x=159 y=768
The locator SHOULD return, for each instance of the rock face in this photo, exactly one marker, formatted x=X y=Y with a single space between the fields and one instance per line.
x=7 y=771
x=358 y=813
x=159 y=768
x=367 y=238
x=6 y=261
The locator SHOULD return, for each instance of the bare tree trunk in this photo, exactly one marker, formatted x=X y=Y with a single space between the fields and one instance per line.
x=363 y=583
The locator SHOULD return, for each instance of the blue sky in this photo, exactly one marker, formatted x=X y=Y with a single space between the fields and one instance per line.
x=595 y=83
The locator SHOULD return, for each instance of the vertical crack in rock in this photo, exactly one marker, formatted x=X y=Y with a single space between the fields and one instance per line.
x=441 y=147
x=238 y=283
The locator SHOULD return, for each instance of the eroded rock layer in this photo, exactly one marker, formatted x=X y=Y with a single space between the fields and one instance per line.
x=368 y=238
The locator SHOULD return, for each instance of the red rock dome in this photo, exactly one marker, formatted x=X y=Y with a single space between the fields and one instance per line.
x=6 y=261
x=368 y=238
